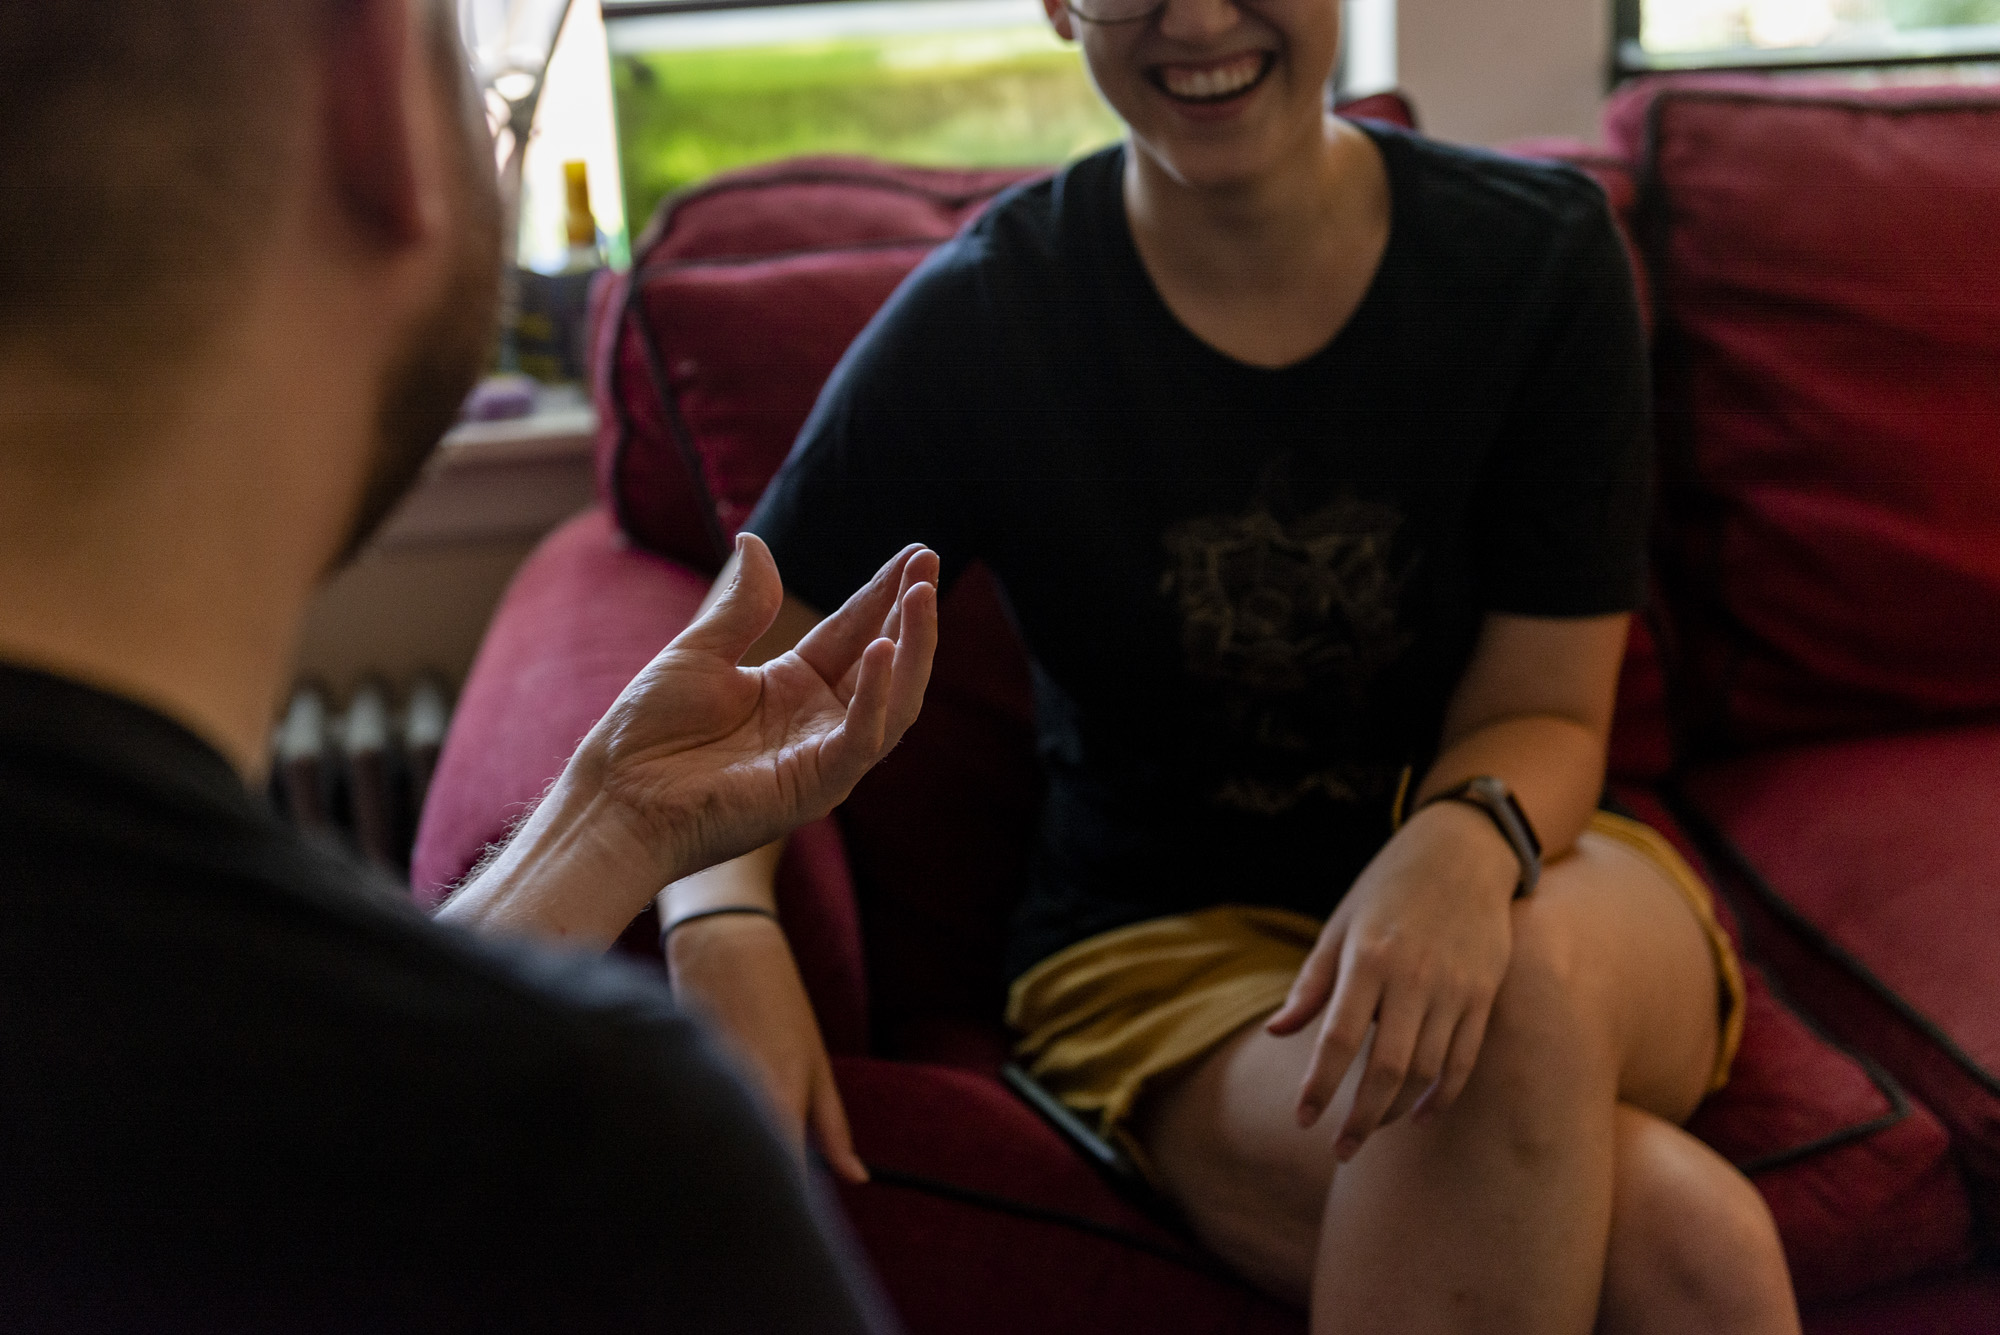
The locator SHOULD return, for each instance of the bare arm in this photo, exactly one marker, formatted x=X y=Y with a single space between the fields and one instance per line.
x=1420 y=944
x=1534 y=708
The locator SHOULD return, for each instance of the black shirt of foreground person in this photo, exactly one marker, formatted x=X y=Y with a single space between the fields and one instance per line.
x=1247 y=593
x=244 y=1086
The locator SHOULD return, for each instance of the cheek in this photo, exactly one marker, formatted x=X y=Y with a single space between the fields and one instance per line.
x=1117 y=81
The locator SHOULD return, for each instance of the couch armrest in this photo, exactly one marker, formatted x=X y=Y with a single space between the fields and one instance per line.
x=583 y=615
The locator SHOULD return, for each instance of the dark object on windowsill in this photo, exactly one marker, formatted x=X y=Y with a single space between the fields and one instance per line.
x=500 y=398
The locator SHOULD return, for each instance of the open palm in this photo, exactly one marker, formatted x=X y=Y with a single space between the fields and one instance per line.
x=715 y=759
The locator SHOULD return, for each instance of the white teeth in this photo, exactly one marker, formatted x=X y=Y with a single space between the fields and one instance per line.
x=1212 y=83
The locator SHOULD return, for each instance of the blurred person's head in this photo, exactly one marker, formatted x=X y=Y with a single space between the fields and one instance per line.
x=153 y=154
x=249 y=259
x=1215 y=93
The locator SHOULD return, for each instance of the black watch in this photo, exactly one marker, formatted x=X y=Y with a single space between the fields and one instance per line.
x=1492 y=796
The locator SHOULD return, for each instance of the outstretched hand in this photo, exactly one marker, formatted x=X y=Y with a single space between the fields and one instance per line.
x=713 y=759
x=700 y=759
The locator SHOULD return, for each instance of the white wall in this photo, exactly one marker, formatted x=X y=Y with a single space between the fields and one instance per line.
x=1485 y=71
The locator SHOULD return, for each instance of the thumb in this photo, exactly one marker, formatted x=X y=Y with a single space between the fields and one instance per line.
x=744 y=609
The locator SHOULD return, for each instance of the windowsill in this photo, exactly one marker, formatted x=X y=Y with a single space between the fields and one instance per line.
x=500 y=481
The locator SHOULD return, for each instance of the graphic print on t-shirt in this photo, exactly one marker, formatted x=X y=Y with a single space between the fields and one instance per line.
x=1288 y=623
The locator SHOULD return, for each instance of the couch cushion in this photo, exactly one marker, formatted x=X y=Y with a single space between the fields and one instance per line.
x=982 y=1219
x=1873 y=874
x=1953 y=1304
x=1858 y=1175
x=1828 y=294
x=583 y=615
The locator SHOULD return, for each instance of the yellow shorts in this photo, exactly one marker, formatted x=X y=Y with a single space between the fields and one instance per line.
x=1102 y=1019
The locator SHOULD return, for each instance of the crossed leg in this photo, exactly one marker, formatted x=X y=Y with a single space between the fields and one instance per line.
x=1557 y=1195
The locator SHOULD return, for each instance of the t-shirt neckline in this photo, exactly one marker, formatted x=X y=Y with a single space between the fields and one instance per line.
x=1128 y=257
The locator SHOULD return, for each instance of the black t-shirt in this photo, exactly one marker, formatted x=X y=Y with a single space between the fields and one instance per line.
x=1247 y=593
x=245 y=1087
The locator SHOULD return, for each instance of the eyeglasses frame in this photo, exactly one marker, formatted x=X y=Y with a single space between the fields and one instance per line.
x=1149 y=14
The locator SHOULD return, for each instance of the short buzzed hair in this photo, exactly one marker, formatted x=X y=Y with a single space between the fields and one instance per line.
x=143 y=145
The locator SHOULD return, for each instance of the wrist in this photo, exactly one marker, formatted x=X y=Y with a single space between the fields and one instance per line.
x=1479 y=849
x=701 y=933
x=579 y=868
x=1494 y=800
x=590 y=791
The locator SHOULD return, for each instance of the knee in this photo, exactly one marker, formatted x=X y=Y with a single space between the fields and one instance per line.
x=1690 y=1236
x=1544 y=1058
x=1542 y=1034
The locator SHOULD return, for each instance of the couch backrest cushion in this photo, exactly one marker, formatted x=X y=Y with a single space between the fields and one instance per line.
x=1827 y=277
x=744 y=293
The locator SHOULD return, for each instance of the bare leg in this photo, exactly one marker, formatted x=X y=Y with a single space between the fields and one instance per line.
x=1498 y=1215
x=1692 y=1243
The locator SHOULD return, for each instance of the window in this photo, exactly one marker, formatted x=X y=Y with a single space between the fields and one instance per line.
x=939 y=82
x=1750 y=34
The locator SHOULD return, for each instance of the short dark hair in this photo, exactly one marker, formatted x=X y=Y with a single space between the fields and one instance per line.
x=143 y=144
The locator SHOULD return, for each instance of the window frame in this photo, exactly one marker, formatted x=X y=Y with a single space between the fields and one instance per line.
x=1978 y=45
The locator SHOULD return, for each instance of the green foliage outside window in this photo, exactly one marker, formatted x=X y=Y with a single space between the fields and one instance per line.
x=1003 y=97
x=1943 y=13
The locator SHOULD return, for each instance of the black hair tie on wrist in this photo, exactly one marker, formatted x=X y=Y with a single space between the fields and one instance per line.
x=679 y=923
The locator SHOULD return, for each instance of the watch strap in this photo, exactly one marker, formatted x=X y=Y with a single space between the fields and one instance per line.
x=1493 y=797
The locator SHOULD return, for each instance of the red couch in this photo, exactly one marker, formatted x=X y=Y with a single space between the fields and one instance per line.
x=1811 y=708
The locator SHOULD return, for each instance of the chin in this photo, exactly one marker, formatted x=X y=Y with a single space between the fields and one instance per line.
x=1213 y=162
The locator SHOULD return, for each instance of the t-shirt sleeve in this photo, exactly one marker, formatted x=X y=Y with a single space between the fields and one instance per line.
x=881 y=461
x=1563 y=514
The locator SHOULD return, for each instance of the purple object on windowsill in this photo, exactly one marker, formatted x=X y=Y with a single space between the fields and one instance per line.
x=498 y=398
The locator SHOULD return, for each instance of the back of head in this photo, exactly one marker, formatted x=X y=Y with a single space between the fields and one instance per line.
x=142 y=144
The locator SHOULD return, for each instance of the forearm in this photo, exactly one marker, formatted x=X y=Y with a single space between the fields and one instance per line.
x=1554 y=765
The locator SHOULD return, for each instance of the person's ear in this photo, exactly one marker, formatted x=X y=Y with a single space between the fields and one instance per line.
x=382 y=137
x=1060 y=19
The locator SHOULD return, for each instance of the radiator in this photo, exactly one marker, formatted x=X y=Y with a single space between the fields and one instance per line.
x=358 y=770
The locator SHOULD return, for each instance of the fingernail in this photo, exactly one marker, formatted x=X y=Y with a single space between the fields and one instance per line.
x=1308 y=1112
x=1345 y=1148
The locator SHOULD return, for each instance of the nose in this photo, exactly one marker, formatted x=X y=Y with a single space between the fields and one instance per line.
x=1197 y=22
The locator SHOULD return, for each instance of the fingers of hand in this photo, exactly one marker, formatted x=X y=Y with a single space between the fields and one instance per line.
x=859 y=741
x=1310 y=989
x=832 y=647
x=1459 y=1061
x=921 y=568
x=1341 y=1036
x=916 y=647
x=1427 y=1058
x=1398 y=1027
x=830 y=1131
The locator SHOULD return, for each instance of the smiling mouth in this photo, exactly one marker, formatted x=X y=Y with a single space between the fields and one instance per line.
x=1219 y=82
